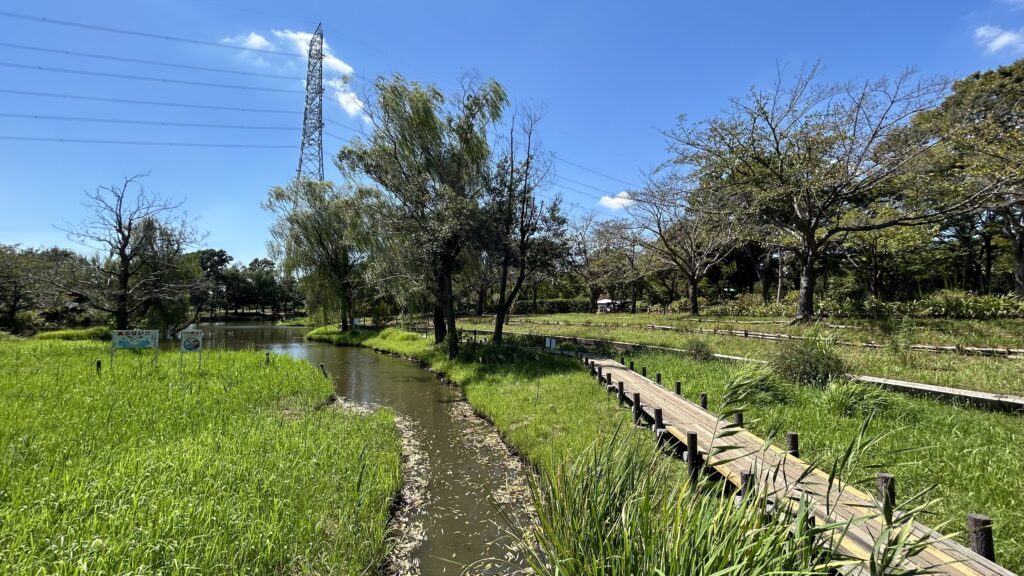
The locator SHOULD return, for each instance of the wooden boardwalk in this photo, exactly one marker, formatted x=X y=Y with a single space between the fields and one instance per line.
x=784 y=477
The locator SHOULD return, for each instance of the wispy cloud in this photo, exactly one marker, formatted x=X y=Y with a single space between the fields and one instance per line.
x=996 y=39
x=337 y=72
x=617 y=202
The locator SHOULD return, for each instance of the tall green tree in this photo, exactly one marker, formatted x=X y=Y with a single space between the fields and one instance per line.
x=981 y=127
x=430 y=153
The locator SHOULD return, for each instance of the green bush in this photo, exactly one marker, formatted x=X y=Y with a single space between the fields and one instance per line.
x=94 y=333
x=857 y=400
x=553 y=306
x=812 y=361
x=699 y=349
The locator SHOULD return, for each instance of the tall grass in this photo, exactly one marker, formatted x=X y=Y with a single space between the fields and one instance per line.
x=237 y=469
x=94 y=333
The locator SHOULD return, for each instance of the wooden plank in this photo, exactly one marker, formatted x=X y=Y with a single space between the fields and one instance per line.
x=786 y=478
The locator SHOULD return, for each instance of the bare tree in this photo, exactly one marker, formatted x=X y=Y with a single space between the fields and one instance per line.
x=671 y=223
x=139 y=240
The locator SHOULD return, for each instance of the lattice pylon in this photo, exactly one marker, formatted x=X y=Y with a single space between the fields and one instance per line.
x=311 y=154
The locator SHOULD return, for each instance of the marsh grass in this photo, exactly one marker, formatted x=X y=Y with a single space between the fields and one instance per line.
x=997 y=375
x=240 y=468
x=94 y=333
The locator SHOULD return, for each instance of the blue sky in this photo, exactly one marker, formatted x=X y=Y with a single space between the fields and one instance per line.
x=610 y=75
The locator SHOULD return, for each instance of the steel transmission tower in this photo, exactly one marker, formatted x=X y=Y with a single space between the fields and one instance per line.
x=311 y=156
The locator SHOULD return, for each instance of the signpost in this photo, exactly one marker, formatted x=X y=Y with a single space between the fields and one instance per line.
x=191 y=341
x=134 y=340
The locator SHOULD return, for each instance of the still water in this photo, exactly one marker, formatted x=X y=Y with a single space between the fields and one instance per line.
x=466 y=496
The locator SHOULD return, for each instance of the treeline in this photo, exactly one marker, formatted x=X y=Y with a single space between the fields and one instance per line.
x=896 y=196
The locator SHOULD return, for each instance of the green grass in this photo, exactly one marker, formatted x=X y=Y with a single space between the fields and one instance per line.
x=1001 y=333
x=998 y=375
x=94 y=333
x=150 y=470
x=300 y=321
x=972 y=456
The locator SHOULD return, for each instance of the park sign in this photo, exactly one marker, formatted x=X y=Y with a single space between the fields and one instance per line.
x=134 y=339
x=191 y=340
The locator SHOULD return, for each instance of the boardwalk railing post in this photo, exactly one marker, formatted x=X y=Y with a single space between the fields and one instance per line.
x=657 y=377
x=980 y=529
x=693 y=458
x=793 y=444
x=703 y=400
x=631 y=365
x=600 y=372
x=679 y=388
x=636 y=407
x=622 y=392
x=659 y=423
x=643 y=371
x=739 y=419
x=622 y=360
x=746 y=482
x=887 y=495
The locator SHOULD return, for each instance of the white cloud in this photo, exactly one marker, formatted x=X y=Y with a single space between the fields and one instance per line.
x=617 y=202
x=252 y=41
x=347 y=99
x=996 y=39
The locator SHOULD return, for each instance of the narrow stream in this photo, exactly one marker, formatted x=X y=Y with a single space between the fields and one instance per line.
x=468 y=479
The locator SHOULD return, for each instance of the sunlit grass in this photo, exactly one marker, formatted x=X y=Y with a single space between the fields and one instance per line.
x=238 y=468
x=94 y=333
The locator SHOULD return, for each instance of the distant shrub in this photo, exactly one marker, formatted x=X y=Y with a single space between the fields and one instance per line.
x=756 y=386
x=812 y=361
x=553 y=306
x=699 y=349
x=94 y=333
x=857 y=400
x=753 y=305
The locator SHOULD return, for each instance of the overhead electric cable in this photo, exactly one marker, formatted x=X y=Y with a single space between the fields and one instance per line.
x=144 y=122
x=147 y=62
x=40 y=19
x=142 y=143
x=148 y=78
x=147 y=102
x=598 y=172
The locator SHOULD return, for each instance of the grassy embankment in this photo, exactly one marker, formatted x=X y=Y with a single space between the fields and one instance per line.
x=550 y=409
x=998 y=375
x=236 y=469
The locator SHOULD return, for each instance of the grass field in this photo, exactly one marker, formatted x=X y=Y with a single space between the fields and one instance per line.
x=1001 y=333
x=148 y=470
x=551 y=410
x=94 y=333
x=987 y=374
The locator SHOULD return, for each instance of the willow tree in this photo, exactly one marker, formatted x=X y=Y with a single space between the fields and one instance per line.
x=430 y=154
x=803 y=156
x=322 y=233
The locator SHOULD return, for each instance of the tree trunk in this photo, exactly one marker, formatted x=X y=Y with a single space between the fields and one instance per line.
x=778 y=290
x=440 y=329
x=694 y=307
x=123 y=277
x=1018 y=263
x=481 y=296
x=499 y=316
x=987 y=277
x=808 y=278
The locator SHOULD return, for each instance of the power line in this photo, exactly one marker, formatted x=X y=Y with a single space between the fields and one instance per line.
x=148 y=62
x=144 y=122
x=336 y=123
x=584 y=184
x=143 y=34
x=146 y=102
x=148 y=78
x=143 y=143
x=598 y=172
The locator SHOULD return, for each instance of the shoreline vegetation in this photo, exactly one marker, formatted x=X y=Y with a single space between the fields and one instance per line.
x=550 y=410
x=998 y=375
x=245 y=466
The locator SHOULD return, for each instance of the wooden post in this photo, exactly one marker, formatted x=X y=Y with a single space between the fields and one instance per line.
x=679 y=388
x=622 y=360
x=266 y=358
x=622 y=392
x=630 y=364
x=980 y=529
x=693 y=458
x=643 y=371
x=739 y=419
x=636 y=407
x=600 y=372
x=703 y=400
x=746 y=482
x=886 y=494
x=657 y=377
x=99 y=365
x=793 y=444
x=658 y=421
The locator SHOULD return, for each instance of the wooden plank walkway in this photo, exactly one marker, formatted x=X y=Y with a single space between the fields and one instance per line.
x=785 y=477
